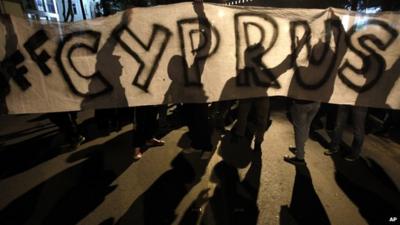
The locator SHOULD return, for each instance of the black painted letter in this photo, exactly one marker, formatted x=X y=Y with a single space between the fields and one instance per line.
x=198 y=52
x=327 y=56
x=368 y=61
x=10 y=67
x=33 y=43
x=153 y=50
x=249 y=52
x=89 y=35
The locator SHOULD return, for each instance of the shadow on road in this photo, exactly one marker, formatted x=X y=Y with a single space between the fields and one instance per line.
x=22 y=156
x=156 y=206
x=72 y=194
x=366 y=184
x=234 y=200
x=305 y=206
x=47 y=143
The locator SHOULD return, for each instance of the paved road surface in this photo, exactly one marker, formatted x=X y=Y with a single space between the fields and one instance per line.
x=100 y=183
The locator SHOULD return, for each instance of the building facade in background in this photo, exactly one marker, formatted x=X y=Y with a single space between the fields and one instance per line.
x=50 y=10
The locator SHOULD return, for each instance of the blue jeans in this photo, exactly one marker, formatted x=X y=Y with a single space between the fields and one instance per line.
x=302 y=116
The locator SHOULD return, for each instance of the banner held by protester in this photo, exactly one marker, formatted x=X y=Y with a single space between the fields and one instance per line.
x=191 y=52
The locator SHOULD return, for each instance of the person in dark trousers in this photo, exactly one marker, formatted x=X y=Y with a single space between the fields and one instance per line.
x=66 y=121
x=196 y=116
x=379 y=93
x=359 y=115
x=145 y=130
x=261 y=105
x=197 y=113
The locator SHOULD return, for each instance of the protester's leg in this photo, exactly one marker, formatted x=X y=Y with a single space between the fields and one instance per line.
x=303 y=115
x=312 y=111
x=243 y=114
x=341 y=120
x=67 y=124
x=359 y=115
x=299 y=115
x=201 y=130
x=152 y=126
x=262 y=106
x=224 y=106
x=72 y=128
x=115 y=119
x=299 y=118
x=139 y=137
x=163 y=121
x=188 y=113
x=331 y=117
x=104 y=119
x=317 y=123
x=150 y=121
x=221 y=110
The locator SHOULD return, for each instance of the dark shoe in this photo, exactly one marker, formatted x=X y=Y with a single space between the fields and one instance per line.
x=81 y=139
x=331 y=151
x=292 y=150
x=351 y=158
x=294 y=160
x=78 y=141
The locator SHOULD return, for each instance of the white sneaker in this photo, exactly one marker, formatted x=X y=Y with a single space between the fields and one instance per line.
x=137 y=154
x=154 y=142
x=77 y=142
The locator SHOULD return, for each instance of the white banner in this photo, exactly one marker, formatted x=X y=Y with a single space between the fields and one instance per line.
x=200 y=53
